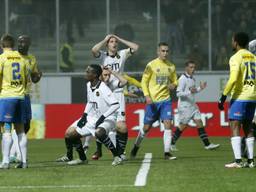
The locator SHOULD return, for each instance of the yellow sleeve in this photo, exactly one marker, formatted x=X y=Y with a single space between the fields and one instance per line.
x=145 y=80
x=33 y=64
x=173 y=78
x=126 y=93
x=132 y=80
x=234 y=71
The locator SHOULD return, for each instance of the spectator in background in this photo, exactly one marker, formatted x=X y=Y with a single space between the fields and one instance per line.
x=175 y=35
x=67 y=59
x=196 y=56
x=222 y=59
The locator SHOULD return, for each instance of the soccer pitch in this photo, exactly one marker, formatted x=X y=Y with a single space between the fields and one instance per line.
x=196 y=169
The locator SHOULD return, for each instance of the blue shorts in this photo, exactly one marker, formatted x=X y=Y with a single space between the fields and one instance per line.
x=154 y=111
x=12 y=110
x=241 y=110
x=28 y=113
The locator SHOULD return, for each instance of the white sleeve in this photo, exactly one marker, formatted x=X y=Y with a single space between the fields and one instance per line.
x=114 y=82
x=181 y=92
x=88 y=105
x=126 y=53
x=110 y=100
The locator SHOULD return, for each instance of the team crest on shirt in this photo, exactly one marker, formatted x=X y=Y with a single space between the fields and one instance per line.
x=97 y=94
x=158 y=70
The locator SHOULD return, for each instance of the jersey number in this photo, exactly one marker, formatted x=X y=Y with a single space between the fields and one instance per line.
x=250 y=70
x=16 y=71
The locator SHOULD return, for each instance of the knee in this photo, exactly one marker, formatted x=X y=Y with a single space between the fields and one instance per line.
x=69 y=132
x=146 y=129
x=121 y=127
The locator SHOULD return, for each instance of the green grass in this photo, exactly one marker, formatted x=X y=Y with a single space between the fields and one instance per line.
x=196 y=169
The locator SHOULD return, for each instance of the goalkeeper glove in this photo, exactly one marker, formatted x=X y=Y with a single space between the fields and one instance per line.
x=221 y=102
x=82 y=121
x=100 y=120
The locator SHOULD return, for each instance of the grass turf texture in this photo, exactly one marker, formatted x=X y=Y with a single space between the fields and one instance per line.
x=196 y=169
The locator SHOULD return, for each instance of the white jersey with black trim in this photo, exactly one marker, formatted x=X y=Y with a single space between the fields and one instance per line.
x=100 y=100
x=116 y=62
x=186 y=98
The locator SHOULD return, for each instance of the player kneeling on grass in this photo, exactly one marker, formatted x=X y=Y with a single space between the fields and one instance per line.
x=98 y=119
x=187 y=107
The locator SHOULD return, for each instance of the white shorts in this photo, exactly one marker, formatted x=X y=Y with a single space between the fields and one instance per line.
x=121 y=110
x=89 y=127
x=187 y=113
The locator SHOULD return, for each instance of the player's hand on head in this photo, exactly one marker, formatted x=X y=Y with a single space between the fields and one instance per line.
x=108 y=37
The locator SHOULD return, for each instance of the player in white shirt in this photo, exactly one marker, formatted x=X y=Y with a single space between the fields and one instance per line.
x=187 y=107
x=98 y=119
x=115 y=60
x=109 y=77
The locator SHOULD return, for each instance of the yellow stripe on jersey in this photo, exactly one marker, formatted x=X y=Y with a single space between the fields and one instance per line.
x=32 y=68
x=156 y=78
x=13 y=72
x=242 y=81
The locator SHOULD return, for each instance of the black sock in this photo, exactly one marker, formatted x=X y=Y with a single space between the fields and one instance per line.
x=79 y=148
x=69 y=147
x=26 y=127
x=253 y=126
x=176 y=135
x=108 y=143
x=121 y=140
x=204 y=137
x=98 y=146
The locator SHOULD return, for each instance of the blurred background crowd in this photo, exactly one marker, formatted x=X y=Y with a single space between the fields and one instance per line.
x=195 y=29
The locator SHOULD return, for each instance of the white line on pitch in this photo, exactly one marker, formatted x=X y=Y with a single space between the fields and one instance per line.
x=141 y=177
x=60 y=186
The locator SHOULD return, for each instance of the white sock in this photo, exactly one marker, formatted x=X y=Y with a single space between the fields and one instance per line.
x=87 y=140
x=250 y=145
x=6 y=147
x=22 y=138
x=139 y=138
x=167 y=137
x=15 y=150
x=112 y=136
x=236 y=145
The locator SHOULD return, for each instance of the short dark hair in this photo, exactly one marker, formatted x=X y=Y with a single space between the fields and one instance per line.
x=24 y=38
x=96 y=69
x=162 y=44
x=188 y=62
x=242 y=39
x=7 y=41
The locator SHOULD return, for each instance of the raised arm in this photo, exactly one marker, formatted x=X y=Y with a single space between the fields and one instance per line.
x=130 y=44
x=96 y=48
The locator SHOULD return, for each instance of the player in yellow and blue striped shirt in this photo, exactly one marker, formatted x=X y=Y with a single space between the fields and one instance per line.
x=34 y=76
x=241 y=87
x=158 y=79
x=13 y=74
